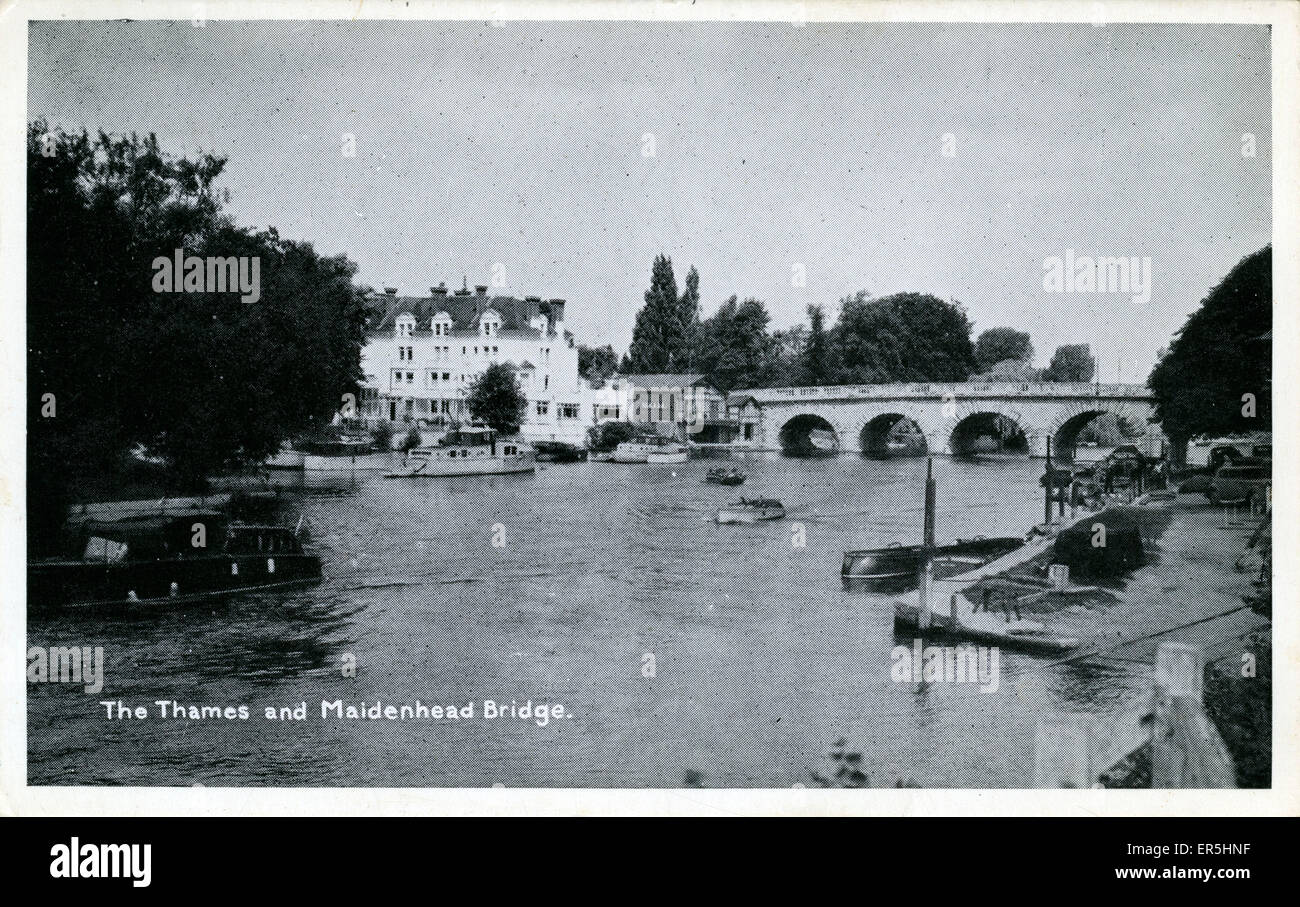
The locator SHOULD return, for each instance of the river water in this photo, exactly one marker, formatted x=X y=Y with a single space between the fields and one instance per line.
x=601 y=575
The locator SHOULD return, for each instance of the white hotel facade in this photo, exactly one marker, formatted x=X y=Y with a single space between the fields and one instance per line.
x=422 y=353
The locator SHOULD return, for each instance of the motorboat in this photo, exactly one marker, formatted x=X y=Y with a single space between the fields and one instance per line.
x=721 y=476
x=752 y=510
x=894 y=568
x=640 y=449
x=168 y=559
x=471 y=451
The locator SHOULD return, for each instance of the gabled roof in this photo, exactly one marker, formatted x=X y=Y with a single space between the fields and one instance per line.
x=465 y=310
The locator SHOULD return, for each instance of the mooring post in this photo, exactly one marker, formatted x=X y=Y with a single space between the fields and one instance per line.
x=1047 y=491
x=925 y=569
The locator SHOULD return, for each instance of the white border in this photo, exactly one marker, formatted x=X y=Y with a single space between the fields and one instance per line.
x=17 y=798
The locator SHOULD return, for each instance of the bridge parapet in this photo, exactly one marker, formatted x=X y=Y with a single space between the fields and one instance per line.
x=955 y=390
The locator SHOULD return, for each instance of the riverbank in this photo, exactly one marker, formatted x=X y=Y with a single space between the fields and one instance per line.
x=1201 y=585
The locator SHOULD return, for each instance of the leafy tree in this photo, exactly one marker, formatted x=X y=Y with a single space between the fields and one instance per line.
x=597 y=364
x=1011 y=370
x=497 y=399
x=661 y=338
x=816 y=351
x=199 y=380
x=736 y=350
x=903 y=337
x=786 y=368
x=999 y=344
x=1071 y=362
x=1221 y=353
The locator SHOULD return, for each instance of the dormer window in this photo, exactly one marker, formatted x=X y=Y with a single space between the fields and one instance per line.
x=441 y=325
x=405 y=324
x=489 y=324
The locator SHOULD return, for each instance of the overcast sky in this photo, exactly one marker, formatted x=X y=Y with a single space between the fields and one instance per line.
x=773 y=146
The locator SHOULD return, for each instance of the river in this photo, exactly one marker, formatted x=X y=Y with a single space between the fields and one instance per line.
x=601 y=575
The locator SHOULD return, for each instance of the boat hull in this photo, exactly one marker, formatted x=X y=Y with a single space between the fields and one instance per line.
x=666 y=458
x=360 y=463
x=493 y=466
x=895 y=569
x=81 y=584
x=756 y=515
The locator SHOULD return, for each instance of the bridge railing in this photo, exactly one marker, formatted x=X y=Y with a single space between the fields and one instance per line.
x=940 y=390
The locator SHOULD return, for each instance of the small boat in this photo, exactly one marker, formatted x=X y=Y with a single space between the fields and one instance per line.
x=639 y=450
x=559 y=452
x=720 y=476
x=155 y=560
x=470 y=451
x=894 y=569
x=823 y=440
x=667 y=454
x=344 y=455
x=751 y=511
x=601 y=456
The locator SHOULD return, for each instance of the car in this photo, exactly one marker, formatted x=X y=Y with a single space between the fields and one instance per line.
x=1240 y=485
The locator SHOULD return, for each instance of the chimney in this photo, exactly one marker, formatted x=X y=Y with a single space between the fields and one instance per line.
x=439 y=290
x=391 y=291
x=480 y=289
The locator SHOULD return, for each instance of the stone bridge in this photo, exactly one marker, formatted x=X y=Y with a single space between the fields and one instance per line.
x=953 y=418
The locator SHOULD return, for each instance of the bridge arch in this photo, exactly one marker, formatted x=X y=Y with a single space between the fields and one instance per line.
x=989 y=429
x=795 y=433
x=898 y=432
x=1065 y=427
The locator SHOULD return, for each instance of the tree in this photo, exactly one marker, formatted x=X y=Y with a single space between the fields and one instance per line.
x=1216 y=377
x=660 y=338
x=1071 y=362
x=736 y=350
x=596 y=364
x=816 y=352
x=903 y=337
x=198 y=379
x=497 y=399
x=999 y=344
x=688 y=314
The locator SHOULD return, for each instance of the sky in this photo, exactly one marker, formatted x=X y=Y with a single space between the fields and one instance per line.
x=563 y=157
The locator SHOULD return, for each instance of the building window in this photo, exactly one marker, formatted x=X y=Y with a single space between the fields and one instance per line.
x=410 y=377
x=568 y=410
x=543 y=407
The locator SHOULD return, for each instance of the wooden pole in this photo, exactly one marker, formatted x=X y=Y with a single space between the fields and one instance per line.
x=1047 y=491
x=925 y=569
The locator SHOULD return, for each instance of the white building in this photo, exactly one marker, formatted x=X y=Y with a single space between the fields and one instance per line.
x=422 y=353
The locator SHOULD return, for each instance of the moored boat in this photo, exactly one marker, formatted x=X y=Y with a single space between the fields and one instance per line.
x=669 y=453
x=169 y=559
x=894 y=568
x=287 y=457
x=751 y=510
x=467 y=452
x=640 y=449
x=720 y=476
x=344 y=455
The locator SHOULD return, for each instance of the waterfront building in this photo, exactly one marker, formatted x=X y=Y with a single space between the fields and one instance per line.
x=422 y=354
x=695 y=409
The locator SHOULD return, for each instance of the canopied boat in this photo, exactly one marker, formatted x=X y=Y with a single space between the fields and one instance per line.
x=470 y=451
x=170 y=558
x=751 y=510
